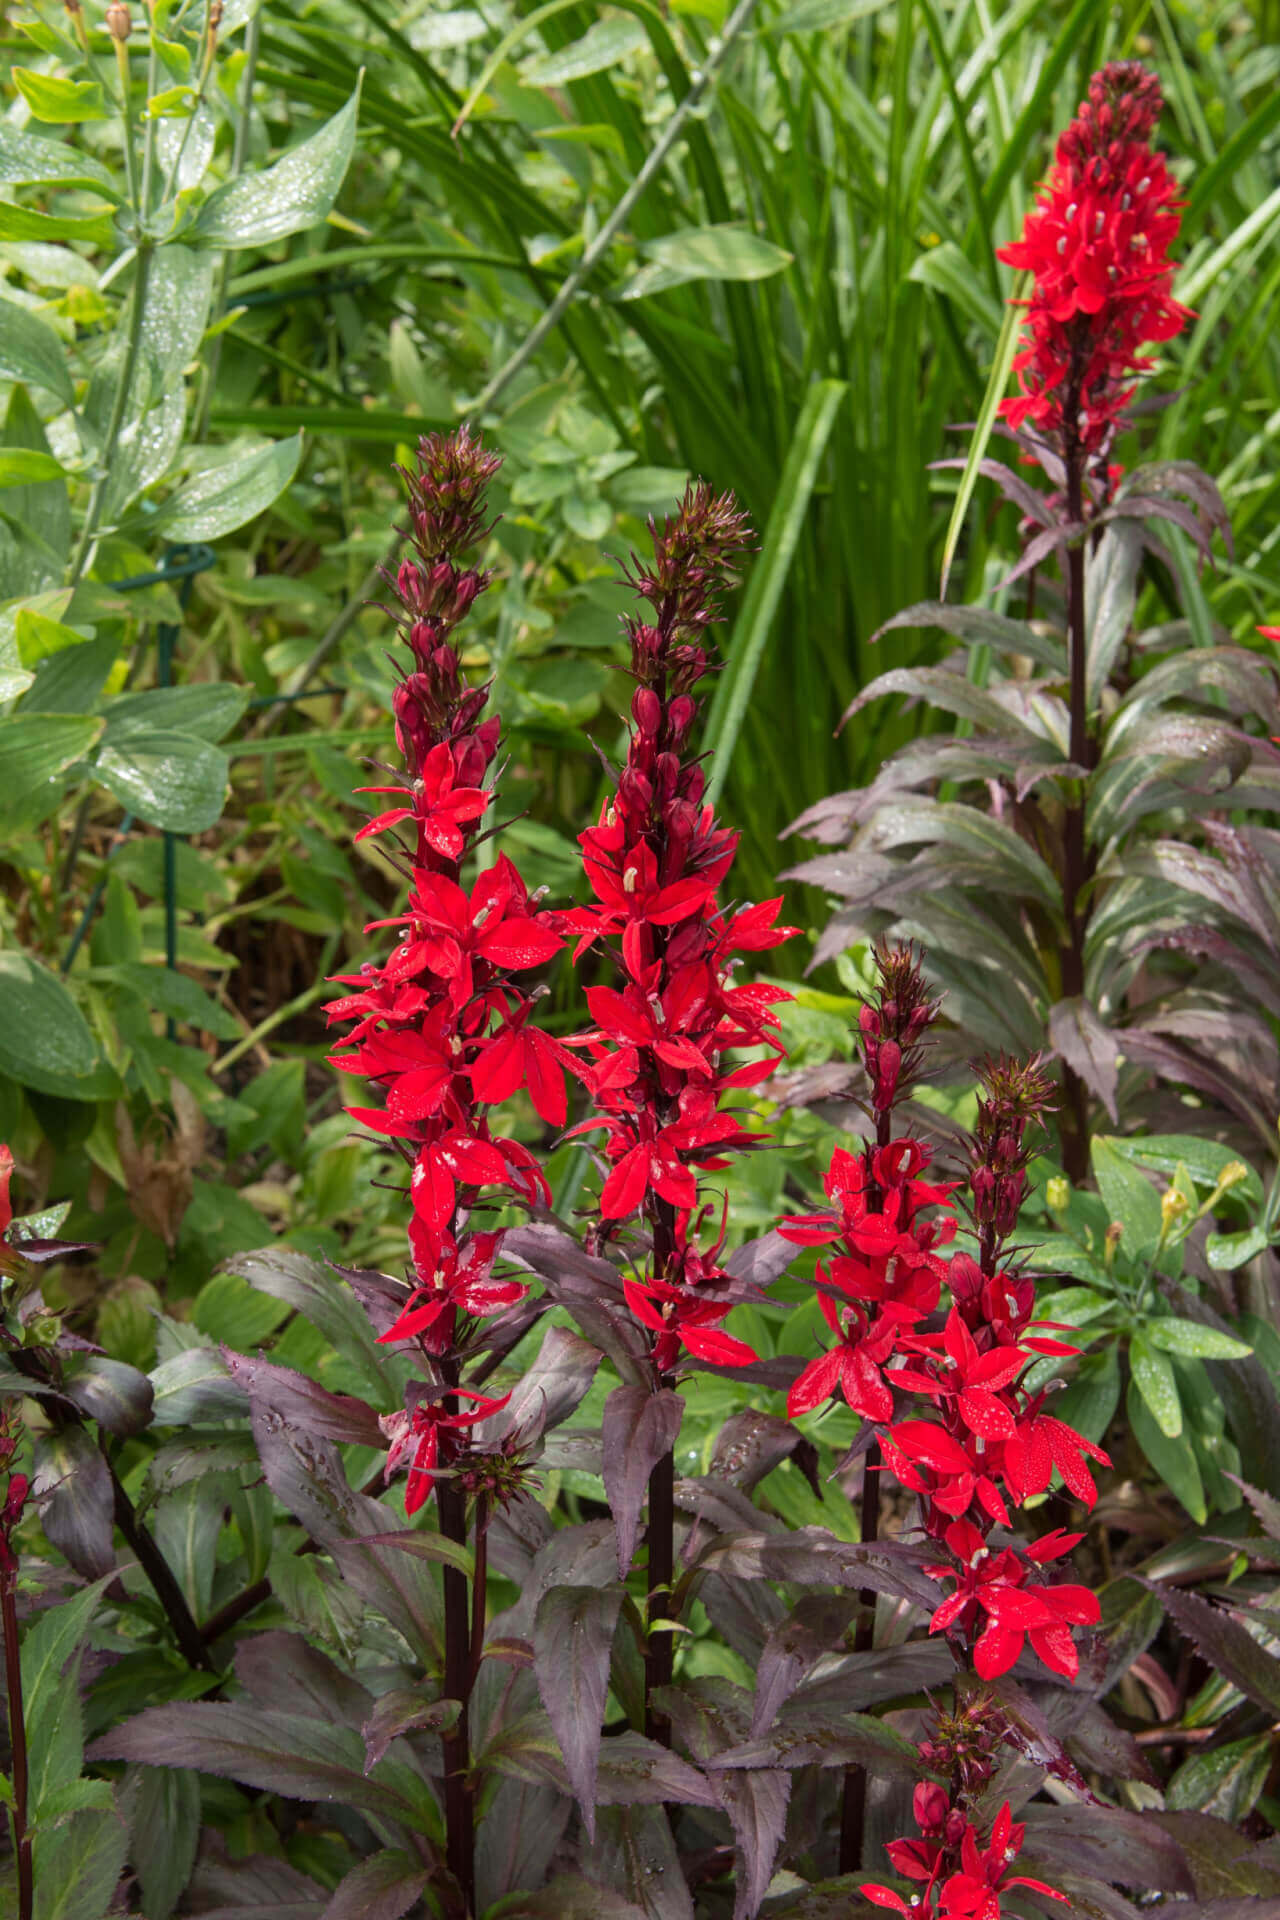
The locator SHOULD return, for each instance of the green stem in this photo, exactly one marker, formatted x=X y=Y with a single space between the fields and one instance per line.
x=133 y=343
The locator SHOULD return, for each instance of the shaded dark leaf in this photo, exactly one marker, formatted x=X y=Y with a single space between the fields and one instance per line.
x=1107 y=1842
x=1222 y=1863
x=572 y=1640
x=283 y=1673
x=813 y=1557
x=382 y=1887
x=979 y=627
x=550 y=1389
x=637 y=1429
x=304 y=1404
x=275 y=1752
x=1088 y=1046
x=258 y=1888
x=817 y=1624
x=569 y=1898
x=1226 y=1644
x=635 y=1855
x=72 y=1489
x=404 y=1710
x=114 y=1394
x=761 y=1261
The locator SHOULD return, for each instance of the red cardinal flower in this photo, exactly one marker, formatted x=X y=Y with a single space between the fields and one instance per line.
x=439 y=807
x=995 y=1583
x=426 y=1435
x=1097 y=243
x=453 y=1277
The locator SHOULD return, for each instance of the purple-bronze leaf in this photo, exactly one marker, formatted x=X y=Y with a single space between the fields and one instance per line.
x=404 y=1710
x=556 y=1383
x=637 y=1429
x=572 y=1641
x=814 y=1557
x=304 y=1403
x=635 y=1855
x=257 y=1888
x=1226 y=1644
x=807 y=1739
x=383 y=1887
x=72 y=1489
x=816 y=1625
x=275 y=1752
x=751 y=1444
x=285 y=1674
x=1088 y=1046
x=1105 y=1841
x=116 y=1395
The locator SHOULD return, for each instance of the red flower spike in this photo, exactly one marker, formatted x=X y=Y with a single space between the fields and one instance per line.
x=1097 y=243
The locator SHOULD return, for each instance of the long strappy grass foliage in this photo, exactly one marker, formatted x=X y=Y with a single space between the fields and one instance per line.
x=803 y=301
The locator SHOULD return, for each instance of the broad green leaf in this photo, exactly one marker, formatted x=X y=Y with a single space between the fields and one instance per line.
x=1197 y=1342
x=171 y=993
x=31 y=350
x=1173 y=1459
x=35 y=748
x=769 y=577
x=28 y=568
x=717 y=253
x=1227 y=1251
x=27 y=159
x=38 y=636
x=601 y=46
x=1205 y=1160
x=23 y=467
x=296 y=193
x=1226 y=1782
x=25 y=223
x=209 y=709
x=48 y=1646
x=1089 y=1402
x=45 y=1041
x=1154 y=1378
x=78 y=1865
x=1129 y=1197
x=166 y=1830
x=226 y=497
x=170 y=779
x=57 y=101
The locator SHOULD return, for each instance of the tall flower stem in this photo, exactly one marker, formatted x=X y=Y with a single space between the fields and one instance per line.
x=17 y=1743
x=1075 y=1128
x=853 y=1803
x=459 y=1812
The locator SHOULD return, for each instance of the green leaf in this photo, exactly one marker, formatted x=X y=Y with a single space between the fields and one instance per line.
x=1089 y=1402
x=1197 y=1342
x=173 y=780
x=48 y=1646
x=38 y=636
x=58 y=101
x=27 y=159
x=228 y=1309
x=769 y=577
x=24 y=467
x=1174 y=1460
x=1226 y=1782
x=45 y=1042
x=1128 y=1196
x=166 y=1830
x=25 y=223
x=77 y=1866
x=31 y=350
x=601 y=46
x=1205 y=1160
x=1154 y=1378
x=36 y=747
x=297 y=192
x=174 y=994
x=1227 y=1251
x=226 y=497
x=717 y=253
x=209 y=710
x=815 y=16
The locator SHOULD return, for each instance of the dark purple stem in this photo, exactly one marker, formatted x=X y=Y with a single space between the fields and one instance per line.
x=17 y=1742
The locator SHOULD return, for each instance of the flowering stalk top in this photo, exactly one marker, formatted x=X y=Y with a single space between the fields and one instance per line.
x=443 y=1027
x=1097 y=243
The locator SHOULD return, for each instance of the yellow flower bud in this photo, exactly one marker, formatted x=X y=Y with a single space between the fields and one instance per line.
x=1173 y=1205
x=1057 y=1194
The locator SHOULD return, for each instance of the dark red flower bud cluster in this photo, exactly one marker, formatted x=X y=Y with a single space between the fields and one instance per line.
x=443 y=1026
x=1097 y=242
x=893 y=1024
x=657 y=1064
